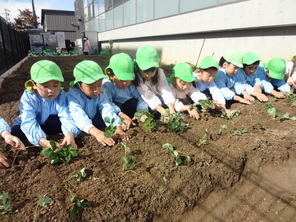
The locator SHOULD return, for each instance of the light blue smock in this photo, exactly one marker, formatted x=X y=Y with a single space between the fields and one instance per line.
x=229 y=85
x=268 y=84
x=120 y=96
x=83 y=109
x=4 y=126
x=34 y=111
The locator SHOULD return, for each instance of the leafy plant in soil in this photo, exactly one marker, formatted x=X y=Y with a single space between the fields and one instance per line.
x=175 y=120
x=79 y=204
x=223 y=114
x=259 y=124
x=149 y=123
x=273 y=112
x=222 y=127
x=176 y=154
x=286 y=116
x=127 y=161
x=111 y=129
x=5 y=207
x=206 y=106
x=239 y=132
x=59 y=155
x=290 y=97
x=203 y=141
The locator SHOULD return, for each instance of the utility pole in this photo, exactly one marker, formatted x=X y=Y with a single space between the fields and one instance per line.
x=34 y=14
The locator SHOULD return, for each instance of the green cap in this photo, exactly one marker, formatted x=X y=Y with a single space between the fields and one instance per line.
x=208 y=62
x=276 y=68
x=147 y=57
x=45 y=70
x=183 y=71
x=234 y=56
x=122 y=66
x=250 y=57
x=87 y=72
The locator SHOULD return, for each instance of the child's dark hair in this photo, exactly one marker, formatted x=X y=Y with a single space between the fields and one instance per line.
x=221 y=61
x=136 y=81
x=110 y=72
x=255 y=63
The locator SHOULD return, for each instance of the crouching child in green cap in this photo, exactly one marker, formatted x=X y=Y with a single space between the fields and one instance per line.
x=44 y=108
x=272 y=75
x=89 y=104
x=183 y=90
x=125 y=96
x=248 y=78
x=151 y=82
x=226 y=78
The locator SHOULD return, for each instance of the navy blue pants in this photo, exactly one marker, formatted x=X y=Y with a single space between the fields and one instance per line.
x=51 y=126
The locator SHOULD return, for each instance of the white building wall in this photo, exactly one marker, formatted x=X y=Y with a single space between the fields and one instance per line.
x=226 y=20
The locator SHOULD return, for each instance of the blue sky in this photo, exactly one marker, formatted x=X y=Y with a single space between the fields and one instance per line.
x=14 y=5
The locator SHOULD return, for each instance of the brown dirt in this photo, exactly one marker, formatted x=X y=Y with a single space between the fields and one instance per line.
x=239 y=178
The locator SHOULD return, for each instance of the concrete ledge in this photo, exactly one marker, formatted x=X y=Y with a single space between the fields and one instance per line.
x=12 y=69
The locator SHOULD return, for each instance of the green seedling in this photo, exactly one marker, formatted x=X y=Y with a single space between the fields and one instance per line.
x=59 y=155
x=78 y=206
x=258 y=123
x=175 y=120
x=290 y=97
x=111 y=129
x=274 y=112
x=223 y=114
x=148 y=122
x=239 y=132
x=44 y=200
x=81 y=175
x=286 y=116
x=109 y=48
x=255 y=102
x=268 y=106
x=222 y=127
x=5 y=207
x=176 y=154
x=206 y=105
x=203 y=141
x=127 y=161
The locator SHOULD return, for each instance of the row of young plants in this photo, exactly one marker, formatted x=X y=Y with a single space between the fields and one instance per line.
x=174 y=121
x=47 y=52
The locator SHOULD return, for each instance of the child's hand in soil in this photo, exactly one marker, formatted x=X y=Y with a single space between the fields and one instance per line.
x=100 y=137
x=119 y=131
x=13 y=140
x=3 y=161
x=127 y=121
x=69 y=139
x=193 y=113
x=142 y=119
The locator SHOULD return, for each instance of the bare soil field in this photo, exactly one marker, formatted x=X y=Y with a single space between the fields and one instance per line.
x=248 y=177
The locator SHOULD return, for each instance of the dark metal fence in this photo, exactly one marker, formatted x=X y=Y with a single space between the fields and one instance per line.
x=14 y=46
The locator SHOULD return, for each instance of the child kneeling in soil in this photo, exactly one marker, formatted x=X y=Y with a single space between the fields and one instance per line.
x=226 y=78
x=205 y=75
x=125 y=96
x=44 y=108
x=89 y=105
x=183 y=90
x=247 y=76
x=272 y=75
x=151 y=82
x=9 y=139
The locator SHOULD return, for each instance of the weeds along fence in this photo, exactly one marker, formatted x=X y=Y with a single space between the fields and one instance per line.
x=14 y=46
